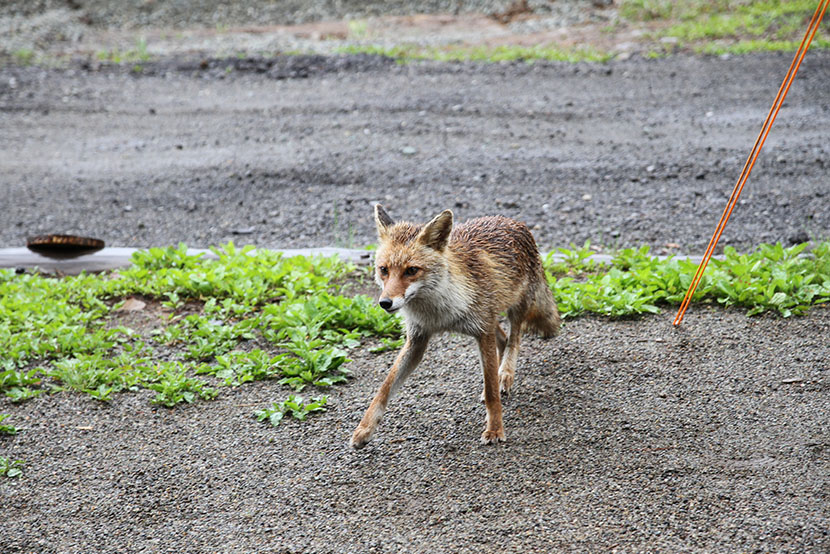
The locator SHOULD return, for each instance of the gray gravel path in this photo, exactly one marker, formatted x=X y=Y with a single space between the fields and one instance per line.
x=291 y=152
x=626 y=436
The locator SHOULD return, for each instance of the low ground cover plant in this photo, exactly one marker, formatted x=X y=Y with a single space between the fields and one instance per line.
x=253 y=314
x=663 y=27
x=246 y=316
x=10 y=468
x=295 y=406
x=772 y=278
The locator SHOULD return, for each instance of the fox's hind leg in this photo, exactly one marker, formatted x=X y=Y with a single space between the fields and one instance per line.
x=501 y=343
x=507 y=368
x=488 y=350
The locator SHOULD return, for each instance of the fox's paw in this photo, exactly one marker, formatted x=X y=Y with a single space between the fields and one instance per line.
x=361 y=437
x=505 y=383
x=493 y=437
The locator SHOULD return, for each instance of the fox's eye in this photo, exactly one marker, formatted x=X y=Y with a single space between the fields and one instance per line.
x=383 y=270
x=410 y=271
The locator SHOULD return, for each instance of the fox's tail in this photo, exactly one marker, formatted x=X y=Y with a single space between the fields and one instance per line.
x=543 y=316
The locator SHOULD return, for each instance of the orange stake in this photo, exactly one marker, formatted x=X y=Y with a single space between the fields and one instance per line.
x=753 y=155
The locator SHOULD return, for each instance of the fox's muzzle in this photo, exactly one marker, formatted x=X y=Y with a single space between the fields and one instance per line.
x=386 y=303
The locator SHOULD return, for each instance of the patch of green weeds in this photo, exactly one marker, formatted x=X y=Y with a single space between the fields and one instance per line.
x=758 y=45
x=10 y=468
x=134 y=55
x=294 y=406
x=24 y=56
x=56 y=332
x=5 y=428
x=772 y=278
x=209 y=337
x=15 y=383
x=388 y=344
x=334 y=319
x=236 y=368
x=315 y=363
x=174 y=386
x=728 y=26
x=98 y=375
x=358 y=29
x=245 y=276
x=487 y=54
x=573 y=260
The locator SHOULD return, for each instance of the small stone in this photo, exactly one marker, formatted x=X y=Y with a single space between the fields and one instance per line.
x=409 y=151
x=243 y=230
x=132 y=305
x=586 y=197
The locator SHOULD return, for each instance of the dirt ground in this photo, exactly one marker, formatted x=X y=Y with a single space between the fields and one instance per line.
x=623 y=436
x=292 y=151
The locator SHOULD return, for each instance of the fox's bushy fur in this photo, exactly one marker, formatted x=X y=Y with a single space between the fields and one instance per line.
x=460 y=279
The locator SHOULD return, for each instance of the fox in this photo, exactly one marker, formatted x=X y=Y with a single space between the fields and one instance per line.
x=445 y=278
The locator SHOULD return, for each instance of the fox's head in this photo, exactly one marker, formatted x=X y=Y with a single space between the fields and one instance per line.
x=409 y=257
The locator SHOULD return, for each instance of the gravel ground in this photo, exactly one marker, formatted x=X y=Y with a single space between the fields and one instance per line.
x=622 y=436
x=626 y=436
x=292 y=151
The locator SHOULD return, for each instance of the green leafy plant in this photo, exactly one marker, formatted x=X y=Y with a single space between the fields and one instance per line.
x=387 y=345
x=313 y=365
x=770 y=278
x=336 y=319
x=21 y=394
x=294 y=406
x=237 y=368
x=174 y=386
x=210 y=337
x=5 y=428
x=17 y=378
x=10 y=468
x=573 y=260
x=24 y=56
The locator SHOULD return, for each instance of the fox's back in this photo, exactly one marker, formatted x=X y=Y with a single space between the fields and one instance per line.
x=505 y=241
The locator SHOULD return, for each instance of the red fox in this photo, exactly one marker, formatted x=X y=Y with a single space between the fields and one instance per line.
x=460 y=279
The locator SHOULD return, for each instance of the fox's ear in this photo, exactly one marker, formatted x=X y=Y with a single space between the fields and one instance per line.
x=436 y=233
x=382 y=220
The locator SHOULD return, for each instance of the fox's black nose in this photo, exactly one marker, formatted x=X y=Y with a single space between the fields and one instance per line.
x=385 y=303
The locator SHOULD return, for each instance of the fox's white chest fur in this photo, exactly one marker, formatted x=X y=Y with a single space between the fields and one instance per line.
x=440 y=303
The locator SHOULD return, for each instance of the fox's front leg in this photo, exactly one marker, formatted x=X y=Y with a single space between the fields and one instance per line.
x=489 y=352
x=408 y=359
